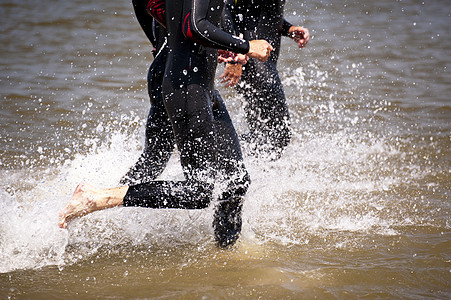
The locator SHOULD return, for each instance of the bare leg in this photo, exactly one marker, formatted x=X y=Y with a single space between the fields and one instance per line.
x=87 y=199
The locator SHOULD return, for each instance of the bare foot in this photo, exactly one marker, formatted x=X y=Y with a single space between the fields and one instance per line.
x=87 y=199
x=83 y=201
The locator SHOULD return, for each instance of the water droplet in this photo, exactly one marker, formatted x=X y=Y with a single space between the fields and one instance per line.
x=185 y=72
x=195 y=69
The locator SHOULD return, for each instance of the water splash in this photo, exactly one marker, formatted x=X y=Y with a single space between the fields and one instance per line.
x=340 y=180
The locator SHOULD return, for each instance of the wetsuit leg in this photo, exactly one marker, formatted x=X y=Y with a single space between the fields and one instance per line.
x=266 y=109
x=190 y=194
x=190 y=111
x=159 y=142
x=227 y=218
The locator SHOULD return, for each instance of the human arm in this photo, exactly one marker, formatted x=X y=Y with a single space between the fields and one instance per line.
x=228 y=22
x=197 y=27
x=299 y=34
x=230 y=57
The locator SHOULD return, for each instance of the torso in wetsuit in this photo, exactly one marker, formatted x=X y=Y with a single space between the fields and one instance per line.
x=195 y=37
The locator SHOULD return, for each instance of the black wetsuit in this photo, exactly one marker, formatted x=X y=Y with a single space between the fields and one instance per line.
x=159 y=138
x=202 y=128
x=264 y=99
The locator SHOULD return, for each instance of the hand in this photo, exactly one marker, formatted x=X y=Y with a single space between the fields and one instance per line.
x=300 y=35
x=225 y=56
x=259 y=49
x=232 y=74
x=241 y=59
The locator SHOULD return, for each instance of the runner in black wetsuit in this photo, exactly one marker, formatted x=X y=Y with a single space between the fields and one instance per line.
x=265 y=104
x=208 y=144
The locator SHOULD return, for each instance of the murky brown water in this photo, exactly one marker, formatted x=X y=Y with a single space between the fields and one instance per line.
x=357 y=207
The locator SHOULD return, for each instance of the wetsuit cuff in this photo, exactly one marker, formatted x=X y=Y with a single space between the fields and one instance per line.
x=246 y=48
x=286 y=27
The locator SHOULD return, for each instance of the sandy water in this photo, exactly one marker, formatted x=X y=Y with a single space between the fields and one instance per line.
x=358 y=206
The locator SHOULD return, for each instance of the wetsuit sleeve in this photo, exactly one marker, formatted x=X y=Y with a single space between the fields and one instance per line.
x=197 y=27
x=157 y=9
x=285 y=27
x=227 y=21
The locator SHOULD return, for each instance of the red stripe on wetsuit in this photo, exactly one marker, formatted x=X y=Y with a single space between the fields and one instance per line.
x=187 y=28
x=157 y=9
